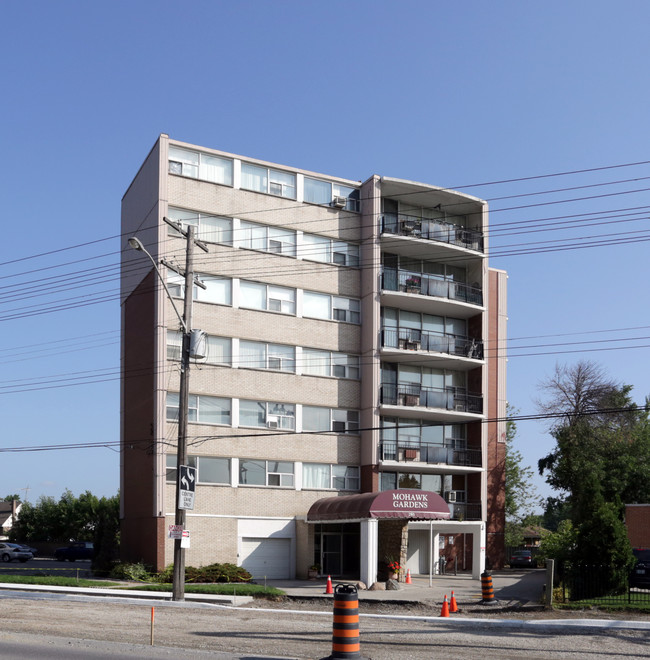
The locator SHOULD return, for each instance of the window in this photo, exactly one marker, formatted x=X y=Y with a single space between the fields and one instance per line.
x=322 y=306
x=262 y=179
x=315 y=418
x=345 y=309
x=214 y=470
x=170 y=473
x=345 y=421
x=266 y=238
x=254 y=295
x=329 y=251
x=436 y=483
x=323 y=192
x=325 y=363
x=210 y=470
x=217 y=349
x=266 y=473
x=202 y=409
x=218 y=289
x=200 y=166
x=264 y=414
x=259 y=355
x=209 y=228
x=323 y=475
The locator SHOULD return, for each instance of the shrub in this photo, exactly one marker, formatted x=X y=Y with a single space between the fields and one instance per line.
x=137 y=572
x=208 y=574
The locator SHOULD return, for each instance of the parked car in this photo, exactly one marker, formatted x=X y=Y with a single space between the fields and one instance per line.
x=76 y=550
x=640 y=576
x=522 y=559
x=28 y=548
x=13 y=552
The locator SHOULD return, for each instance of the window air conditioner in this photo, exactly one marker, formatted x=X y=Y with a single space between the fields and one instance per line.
x=272 y=422
x=450 y=496
x=339 y=202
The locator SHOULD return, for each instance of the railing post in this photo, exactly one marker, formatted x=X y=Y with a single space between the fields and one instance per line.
x=550 y=570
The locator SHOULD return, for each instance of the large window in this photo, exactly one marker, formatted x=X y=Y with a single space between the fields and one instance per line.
x=324 y=475
x=209 y=228
x=260 y=355
x=202 y=409
x=200 y=166
x=218 y=289
x=211 y=470
x=265 y=180
x=266 y=414
x=318 y=191
x=327 y=363
x=315 y=418
x=255 y=295
x=217 y=349
x=436 y=483
x=321 y=306
x=328 y=250
x=266 y=473
x=266 y=238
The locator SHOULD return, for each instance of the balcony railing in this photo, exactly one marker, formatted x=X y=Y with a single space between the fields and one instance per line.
x=432 y=230
x=430 y=285
x=423 y=340
x=450 y=398
x=446 y=454
x=465 y=511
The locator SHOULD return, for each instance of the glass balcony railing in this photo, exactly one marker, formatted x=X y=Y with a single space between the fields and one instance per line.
x=432 y=230
x=422 y=340
x=446 y=454
x=450 y=398
x=430 y=285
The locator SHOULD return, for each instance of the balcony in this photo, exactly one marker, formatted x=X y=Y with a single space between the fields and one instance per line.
x=465 y=511
x=445 y=454
x=432 y=230
x=424 y=284
x=414 y=395
x=413 y=339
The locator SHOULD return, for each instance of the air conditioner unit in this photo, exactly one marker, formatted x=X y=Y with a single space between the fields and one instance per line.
x=339 y=202
x=450 y=496
x=272 y=423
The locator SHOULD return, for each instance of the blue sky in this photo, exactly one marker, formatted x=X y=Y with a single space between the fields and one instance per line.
x=449 y=93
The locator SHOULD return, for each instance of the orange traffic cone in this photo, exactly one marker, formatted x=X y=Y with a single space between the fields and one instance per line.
x=453 y=606
x=328 y=588
x=408 y=577
x=445 y=607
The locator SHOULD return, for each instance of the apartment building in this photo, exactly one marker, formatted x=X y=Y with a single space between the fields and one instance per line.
x=347 y=405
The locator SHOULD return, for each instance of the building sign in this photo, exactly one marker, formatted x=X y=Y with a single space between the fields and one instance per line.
x=187 y=486
x=407 y=500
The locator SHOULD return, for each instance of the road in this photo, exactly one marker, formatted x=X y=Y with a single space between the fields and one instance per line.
x=55 y=623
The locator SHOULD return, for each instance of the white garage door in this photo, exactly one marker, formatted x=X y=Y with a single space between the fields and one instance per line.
x=266 y=557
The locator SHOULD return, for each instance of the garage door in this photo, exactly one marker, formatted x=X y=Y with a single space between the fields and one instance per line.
x=266 y=557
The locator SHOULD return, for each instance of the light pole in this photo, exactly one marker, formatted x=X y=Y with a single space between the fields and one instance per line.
x=178 y=583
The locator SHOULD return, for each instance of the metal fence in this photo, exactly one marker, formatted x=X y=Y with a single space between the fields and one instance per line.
x=598 y=585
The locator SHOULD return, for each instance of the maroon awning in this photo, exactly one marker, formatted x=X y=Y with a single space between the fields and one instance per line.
x=403 y=503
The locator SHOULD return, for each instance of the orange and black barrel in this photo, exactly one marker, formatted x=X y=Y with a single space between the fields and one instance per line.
x=487 y=588
x=345 y=635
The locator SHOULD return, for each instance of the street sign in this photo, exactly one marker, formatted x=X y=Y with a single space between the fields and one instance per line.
x=185 y=539
x=187 y=486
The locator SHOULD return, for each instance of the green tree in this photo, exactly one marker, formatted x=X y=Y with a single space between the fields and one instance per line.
x=600 y=461
x=84 y=518
x=11 y=498
x=521 y=497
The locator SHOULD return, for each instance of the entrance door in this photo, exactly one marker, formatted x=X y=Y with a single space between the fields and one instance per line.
x=417 y=554
x=331 y=554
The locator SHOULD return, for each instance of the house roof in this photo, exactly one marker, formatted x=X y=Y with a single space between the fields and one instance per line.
x=407 y=504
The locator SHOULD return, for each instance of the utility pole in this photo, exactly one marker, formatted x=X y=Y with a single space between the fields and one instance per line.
x=178 y=581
